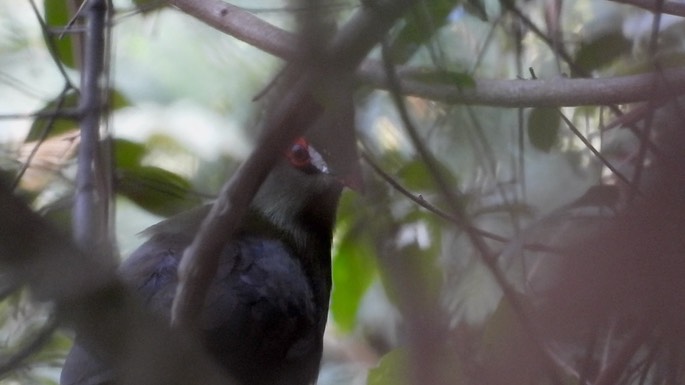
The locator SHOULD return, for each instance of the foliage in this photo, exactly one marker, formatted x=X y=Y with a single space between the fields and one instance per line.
x=468 y=241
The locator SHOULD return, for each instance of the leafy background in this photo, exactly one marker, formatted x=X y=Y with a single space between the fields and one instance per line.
x=182 y=119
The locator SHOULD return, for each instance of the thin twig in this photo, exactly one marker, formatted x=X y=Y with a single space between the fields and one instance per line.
x=455 y=199
x=592 y=149
x=649 y=92
x=556 y=48
x=421 y=201
x=64 y=113
x=43 y=135
x=51 y=45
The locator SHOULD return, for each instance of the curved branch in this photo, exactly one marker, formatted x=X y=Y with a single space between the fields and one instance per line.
x=242 y=25
x=249 y=28
x=538 y=93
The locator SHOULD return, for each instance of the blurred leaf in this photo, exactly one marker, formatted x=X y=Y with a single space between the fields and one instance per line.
x=156 y=190
x=543 y=127
x=417 y=177
x=354 y=267
x=419 y=28
x=57 y=16
x=393 y=369
x=117 y=100
x=602 y=50
x=128 y=154
x=61 y=125
x=459 y=79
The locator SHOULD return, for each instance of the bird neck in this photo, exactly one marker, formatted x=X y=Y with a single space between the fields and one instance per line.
x=308 y=232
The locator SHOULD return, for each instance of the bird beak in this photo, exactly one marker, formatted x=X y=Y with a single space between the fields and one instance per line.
x=353 y=182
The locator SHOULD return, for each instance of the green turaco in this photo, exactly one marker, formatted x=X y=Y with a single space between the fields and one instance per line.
x=265 y=313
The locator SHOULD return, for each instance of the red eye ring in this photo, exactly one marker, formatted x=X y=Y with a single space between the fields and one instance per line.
x=298 y=154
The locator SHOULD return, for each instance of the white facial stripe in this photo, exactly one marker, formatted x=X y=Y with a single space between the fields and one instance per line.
x=317 y=160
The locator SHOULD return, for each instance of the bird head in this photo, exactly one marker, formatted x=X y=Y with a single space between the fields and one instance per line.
x=302 y=187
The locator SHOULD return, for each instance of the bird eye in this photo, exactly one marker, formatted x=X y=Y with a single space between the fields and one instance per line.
x=299 y=154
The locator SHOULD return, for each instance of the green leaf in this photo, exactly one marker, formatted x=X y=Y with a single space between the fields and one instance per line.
x=543 y=127
x=602 y=50
x=128 y=154
x=59 y=125
x=156 y=190
x=354 y=268
x=117 y=100
x=417 y=177
x=57 y=16
x=393 y=369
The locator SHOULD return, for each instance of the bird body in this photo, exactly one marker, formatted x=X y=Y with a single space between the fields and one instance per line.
x=265 y=312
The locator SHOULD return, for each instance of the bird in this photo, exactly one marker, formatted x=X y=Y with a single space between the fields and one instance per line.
x=266 y=308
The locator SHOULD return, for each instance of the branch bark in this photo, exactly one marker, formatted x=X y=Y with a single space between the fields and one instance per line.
x=540 y=93
x=87 y=214
x=245 y=26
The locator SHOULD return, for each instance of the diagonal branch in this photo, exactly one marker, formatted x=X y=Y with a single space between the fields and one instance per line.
x=290 y=117
x=242 y=25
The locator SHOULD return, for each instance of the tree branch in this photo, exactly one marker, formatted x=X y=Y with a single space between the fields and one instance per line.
x=246 y=27
x=291 y=116
x=89 y=209
x=537 y=93
x=242 y=25
x=669 y=7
